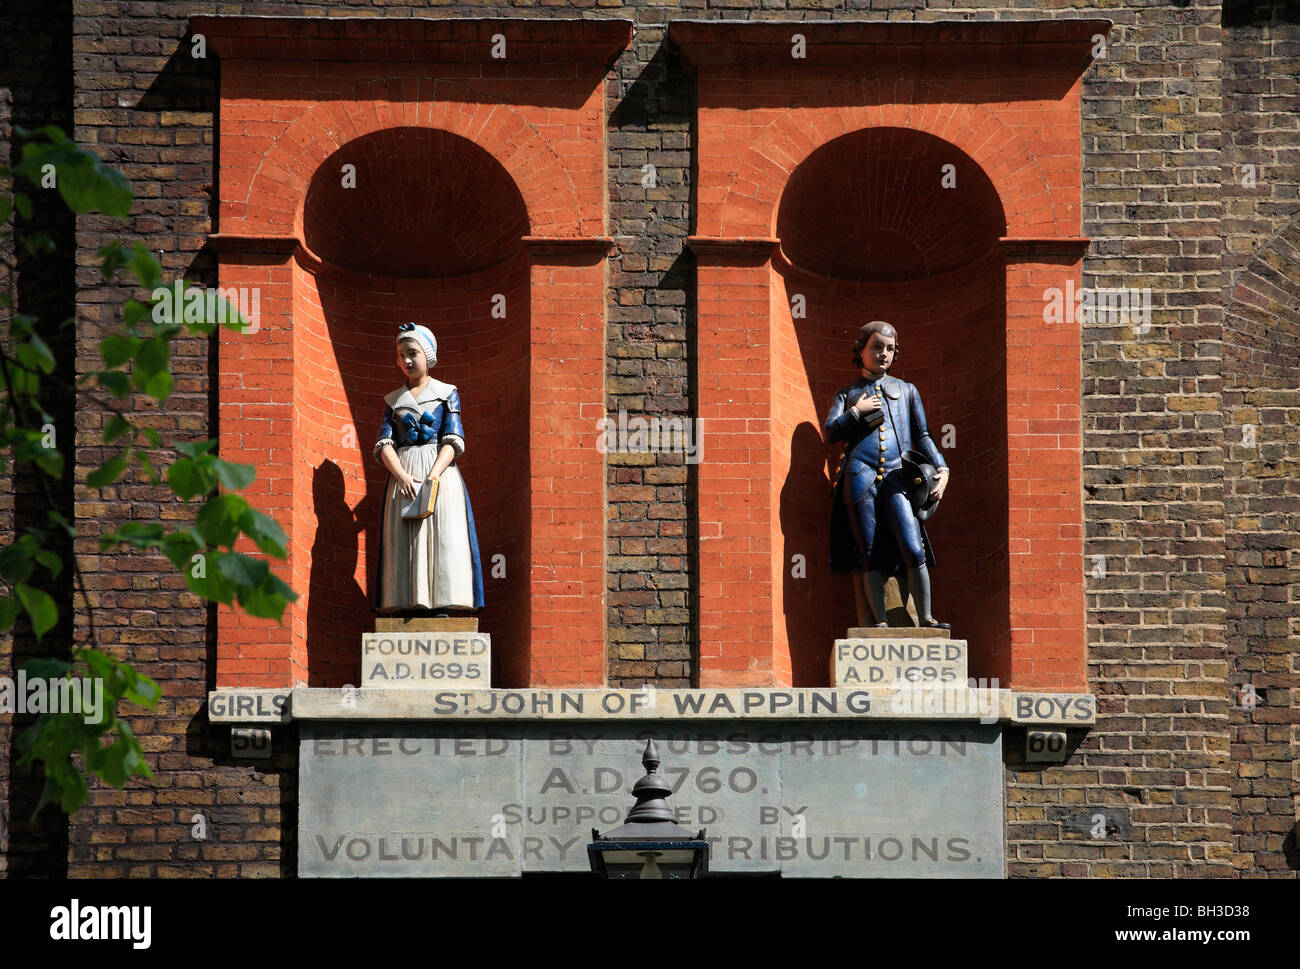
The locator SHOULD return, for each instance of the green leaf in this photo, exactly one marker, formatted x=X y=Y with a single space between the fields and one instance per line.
x=152 y=436
x=117 y=349
x=147 y=465
x=102 y=666
x=53 y=564
x=194 y=449
x=159 y=386
x=25 y=323
x=263 y=530
x=9 y=608
x=39 y=606
x=34 y=354
x=29 y=447
x=111 y=762
x=241 y=569
x=16 y=560
x=47 y=669
x=269 y=599
x=236 y=477
x=133 y=312
x=139 y=534
x=57 y=519
x=115 y=382
x=219 y=520
x=143 y=691
x=6 y=209
x=181 y=547
x=114 y=428
x=145 y=267
x=260 y=593
x=24 y=205
x=111 y=258
x=213 y=584
x=37 y=243
x=85 y=184
x=153 y=355
x=190 y=477
x=50 y=462
x=106 y=473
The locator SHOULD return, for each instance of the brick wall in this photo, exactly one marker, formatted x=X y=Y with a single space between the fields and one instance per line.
x=1261 y=409
x=1156 y=764
x=1175 y=103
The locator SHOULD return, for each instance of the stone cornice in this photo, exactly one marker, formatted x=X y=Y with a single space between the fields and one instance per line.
x=415 y=39
x=768 y=42
x=1045 y=249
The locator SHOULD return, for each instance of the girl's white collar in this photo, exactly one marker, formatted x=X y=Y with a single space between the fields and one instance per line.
x=434 y=391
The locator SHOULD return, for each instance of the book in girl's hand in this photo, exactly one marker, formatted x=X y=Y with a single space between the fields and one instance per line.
x=421 y=506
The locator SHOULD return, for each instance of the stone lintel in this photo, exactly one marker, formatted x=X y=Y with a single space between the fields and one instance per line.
x=897 y=632
x=232 y=705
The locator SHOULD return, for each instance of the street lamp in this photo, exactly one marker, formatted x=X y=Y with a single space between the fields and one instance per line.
x=650 y=844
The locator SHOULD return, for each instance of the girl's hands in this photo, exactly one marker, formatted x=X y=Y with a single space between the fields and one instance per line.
x=407 y=485
x=434 y=473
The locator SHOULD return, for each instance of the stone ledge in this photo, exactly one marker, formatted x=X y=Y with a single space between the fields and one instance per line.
x=232 y=705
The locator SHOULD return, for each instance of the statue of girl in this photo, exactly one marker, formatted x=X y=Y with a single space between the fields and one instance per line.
x=425 y=564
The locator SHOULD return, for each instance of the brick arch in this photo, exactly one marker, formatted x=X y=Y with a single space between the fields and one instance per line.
x=278 y=189
x=753 y=194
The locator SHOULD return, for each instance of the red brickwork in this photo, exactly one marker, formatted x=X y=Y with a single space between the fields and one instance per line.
x=1024 y=152
x=521 y=331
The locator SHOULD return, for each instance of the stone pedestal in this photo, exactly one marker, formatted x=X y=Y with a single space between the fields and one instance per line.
x=425 y=653
x=424 y=624
x=898 y=656
x=893 y=632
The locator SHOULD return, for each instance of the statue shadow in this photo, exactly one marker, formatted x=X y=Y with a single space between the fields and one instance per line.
x=819 y=604
x=338 y=611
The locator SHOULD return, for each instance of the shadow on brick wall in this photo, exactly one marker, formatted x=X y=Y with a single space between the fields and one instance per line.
x=36 y=73
x=1257 y=13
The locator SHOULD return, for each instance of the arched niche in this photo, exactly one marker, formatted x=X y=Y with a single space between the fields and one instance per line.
x=788 y=197
x=900 y=245
x=365 y=181
x=421 y=225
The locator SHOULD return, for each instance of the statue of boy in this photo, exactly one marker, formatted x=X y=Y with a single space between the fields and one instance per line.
x=874 y=522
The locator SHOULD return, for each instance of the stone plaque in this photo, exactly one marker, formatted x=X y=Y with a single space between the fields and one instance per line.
x=250 y=743
x=852 y=799
x=425 y=660
x=1046 y=746
x=902 y=660
x=249 y=705
x=1071 y=709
